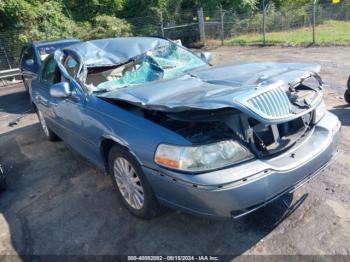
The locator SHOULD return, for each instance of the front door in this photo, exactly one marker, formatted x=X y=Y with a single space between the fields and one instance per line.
x=70 y=114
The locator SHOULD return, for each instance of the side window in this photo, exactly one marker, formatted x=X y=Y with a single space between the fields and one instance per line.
x=50 y=73
x=72 y=66
x=28 y=53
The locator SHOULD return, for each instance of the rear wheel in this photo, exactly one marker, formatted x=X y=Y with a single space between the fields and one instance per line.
x=347 y=96
x=131 y=184
x=47 y=131
x=2 y=181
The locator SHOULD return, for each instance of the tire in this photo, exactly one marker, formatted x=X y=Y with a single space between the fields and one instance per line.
x=347 y=96
x=133 y=181
x=3 y=185
x=51 y=136
x=25 y=85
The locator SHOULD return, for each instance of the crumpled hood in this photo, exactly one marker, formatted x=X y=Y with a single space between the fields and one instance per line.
x=213 y=88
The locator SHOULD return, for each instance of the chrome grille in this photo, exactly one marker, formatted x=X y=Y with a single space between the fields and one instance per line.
x=273 y=103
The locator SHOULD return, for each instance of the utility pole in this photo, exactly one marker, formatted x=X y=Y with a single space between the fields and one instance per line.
x=264 y=26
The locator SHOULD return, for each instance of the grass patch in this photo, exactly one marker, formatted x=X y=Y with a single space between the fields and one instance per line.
x=330 y=32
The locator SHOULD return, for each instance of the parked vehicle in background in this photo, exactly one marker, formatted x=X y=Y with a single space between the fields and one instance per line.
x=32 y=55
x=2 y=180
x=217 y=141
x=347 y=92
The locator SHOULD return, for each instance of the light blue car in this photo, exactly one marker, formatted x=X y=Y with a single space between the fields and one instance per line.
x=170 y=129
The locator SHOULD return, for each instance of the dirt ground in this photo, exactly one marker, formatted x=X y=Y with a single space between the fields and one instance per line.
x=58 y=203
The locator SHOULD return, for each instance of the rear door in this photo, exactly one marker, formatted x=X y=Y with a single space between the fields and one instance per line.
x=29 y=66
x=48 y=76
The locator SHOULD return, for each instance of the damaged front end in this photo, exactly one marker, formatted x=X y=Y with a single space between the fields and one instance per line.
x=264 y=123
x=229 y=114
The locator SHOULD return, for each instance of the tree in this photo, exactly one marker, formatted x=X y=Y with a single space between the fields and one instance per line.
x=87 y=10
x=109 y=26
x=38 y=20
x=286 y=3
x=235 y=5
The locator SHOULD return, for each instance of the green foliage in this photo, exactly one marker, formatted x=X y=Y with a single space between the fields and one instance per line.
x=88 y=19
x=15 y=13
x=108 y=26
x=49 y=19
x=284 y=18
x=234 y=5
x=41 y=20
x=171 y=7
x=50 y=22
x=38 y=20
x=291 y=4
x=88 y=10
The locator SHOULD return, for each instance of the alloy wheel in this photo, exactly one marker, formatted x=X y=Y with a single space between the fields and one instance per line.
x=128 y=183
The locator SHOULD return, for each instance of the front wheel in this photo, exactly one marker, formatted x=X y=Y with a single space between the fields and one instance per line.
x=51 y=136
x=131 y=184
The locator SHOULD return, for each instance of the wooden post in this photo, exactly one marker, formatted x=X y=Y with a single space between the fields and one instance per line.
x=201 y=25
x=313 y=20
x=161 y=24
x=222 y=26
x=264 y=26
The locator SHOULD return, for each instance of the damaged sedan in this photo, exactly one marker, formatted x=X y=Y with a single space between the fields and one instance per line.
x=169 y=128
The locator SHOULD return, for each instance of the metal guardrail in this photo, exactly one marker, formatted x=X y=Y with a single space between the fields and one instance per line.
x=9 y=74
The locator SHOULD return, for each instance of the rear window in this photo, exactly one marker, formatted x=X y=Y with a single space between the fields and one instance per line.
x=28 y=53
x=45 y=51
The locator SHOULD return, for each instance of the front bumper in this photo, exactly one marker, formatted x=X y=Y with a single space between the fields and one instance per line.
x=243 y=188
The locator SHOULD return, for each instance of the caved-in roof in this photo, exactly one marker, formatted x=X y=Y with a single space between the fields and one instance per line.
x=112 y=51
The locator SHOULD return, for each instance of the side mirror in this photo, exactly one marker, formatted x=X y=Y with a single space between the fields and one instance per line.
x=206 y=57
x=29 y=62
x=60 y=90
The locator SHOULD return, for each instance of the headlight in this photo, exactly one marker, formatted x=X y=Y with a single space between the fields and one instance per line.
x=201 y=158
x=320 y=111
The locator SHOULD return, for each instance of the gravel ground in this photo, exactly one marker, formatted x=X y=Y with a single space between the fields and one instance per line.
x=58 y=203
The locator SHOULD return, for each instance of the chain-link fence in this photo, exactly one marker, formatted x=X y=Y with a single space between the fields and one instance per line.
x=320 y=22
x=9 y=49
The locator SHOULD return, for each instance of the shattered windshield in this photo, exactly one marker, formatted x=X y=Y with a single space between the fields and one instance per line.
x=163 y=62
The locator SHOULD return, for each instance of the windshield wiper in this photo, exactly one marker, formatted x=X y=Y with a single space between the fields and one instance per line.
x=169 y=66
x=101 y=91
